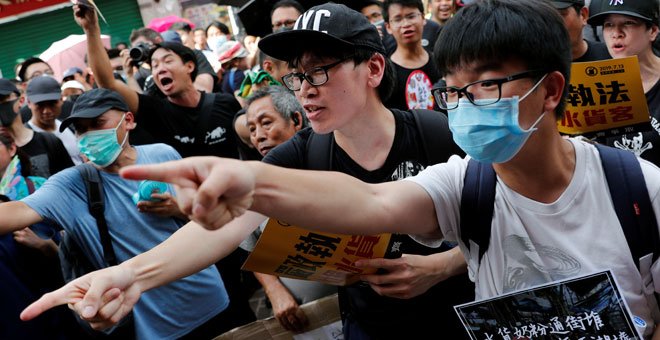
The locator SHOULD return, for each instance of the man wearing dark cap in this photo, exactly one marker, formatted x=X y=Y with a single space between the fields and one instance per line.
x=44 y=97
x=46 y=152
x=629 y=29
x=103 y=123
x=575 y=14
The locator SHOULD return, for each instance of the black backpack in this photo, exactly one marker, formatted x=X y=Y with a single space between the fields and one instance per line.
x=75 y=262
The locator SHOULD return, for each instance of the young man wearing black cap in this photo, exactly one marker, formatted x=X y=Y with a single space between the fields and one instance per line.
x=103 y=122
x=629 y=29
x=47 y=153
x=575 y=15
x=193 y=122
x=341 y=79
x=44 y=97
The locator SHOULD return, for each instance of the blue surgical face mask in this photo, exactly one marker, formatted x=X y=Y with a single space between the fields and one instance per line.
x=101 y=147
x=491 y=133
x=215 y=42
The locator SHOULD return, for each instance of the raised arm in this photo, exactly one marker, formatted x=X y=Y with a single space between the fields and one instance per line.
x=98 y=58
x=213 y=191
x=16 y=215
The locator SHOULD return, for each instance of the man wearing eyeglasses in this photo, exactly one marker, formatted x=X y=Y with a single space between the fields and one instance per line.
x=414 y=67
x=284 y=14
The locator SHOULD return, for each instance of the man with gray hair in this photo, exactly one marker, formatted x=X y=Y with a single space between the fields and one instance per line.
x=273 y=116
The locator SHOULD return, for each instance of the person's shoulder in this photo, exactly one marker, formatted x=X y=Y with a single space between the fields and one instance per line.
x=292 y=152
x=225 y=101
x=158 y=150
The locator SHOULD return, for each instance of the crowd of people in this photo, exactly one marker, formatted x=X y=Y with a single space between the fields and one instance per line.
x=235 y=127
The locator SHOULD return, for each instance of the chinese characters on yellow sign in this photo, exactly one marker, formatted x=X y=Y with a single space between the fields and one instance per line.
x=605 y=98
x=289 y=251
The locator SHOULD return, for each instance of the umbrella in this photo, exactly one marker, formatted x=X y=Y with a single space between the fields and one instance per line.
x=69 y=52
x=164 y=23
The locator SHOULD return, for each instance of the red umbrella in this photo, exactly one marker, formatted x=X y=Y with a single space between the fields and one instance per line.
x=164 y=23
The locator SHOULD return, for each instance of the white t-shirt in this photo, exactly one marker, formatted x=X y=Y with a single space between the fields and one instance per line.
x=68 y=139
x=534 y=243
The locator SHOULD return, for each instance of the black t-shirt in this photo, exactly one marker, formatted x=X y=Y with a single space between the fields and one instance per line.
x=595 y=51
x=429 y=36
x=47 y=154
x=192 y=131
x=644 y=144
x=412 y=88
x=385 y=317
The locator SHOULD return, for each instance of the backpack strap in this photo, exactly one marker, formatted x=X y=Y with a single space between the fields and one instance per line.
x=30 y=185
x=631 y=201
x=319 y=151
x=477 y=205
x=94 y=185
x=437 y=141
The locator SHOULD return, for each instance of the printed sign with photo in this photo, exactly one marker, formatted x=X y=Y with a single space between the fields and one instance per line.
x=589 y=307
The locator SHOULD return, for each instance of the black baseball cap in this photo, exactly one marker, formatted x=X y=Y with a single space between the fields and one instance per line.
x=566 y=3
x=330 y=25
x=94 y=103
x=7 y=87
x=647 y=10
x=43 y=88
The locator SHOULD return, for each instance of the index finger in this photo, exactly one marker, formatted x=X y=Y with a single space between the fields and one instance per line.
x=376 y=263
x=50 y=300
x=182 y=172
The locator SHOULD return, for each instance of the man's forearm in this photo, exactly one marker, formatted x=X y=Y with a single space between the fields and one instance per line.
x=338 y=203
x=98 y=58
x=189 y=250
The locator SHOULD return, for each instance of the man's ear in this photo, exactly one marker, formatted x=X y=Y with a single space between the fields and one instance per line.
x=297 y=119
x=554 y=84
x=268 y=66
x=376 y=66
x=130 y=120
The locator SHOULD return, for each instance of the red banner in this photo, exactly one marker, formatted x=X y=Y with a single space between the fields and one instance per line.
x=14 y=7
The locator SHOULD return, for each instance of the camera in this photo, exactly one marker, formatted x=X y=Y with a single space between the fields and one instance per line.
x=139 y=54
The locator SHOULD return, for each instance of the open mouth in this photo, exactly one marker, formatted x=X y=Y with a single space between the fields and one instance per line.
x=166 y=81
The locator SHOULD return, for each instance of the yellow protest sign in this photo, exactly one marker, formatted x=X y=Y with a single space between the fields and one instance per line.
x=605 y=98
x=290 y=251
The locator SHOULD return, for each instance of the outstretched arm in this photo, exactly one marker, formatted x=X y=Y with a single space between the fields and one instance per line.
x=212 y=191
x=16 y=215
x=105 y=296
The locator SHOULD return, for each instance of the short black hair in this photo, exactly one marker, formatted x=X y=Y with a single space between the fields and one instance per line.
x=181 y=26
x=113 y=53
x=530 y=31
x=287 y=3
x=185 y=53
x=220 y=26
x=145 y=32
x=358 y=55
x=404 y=3
x=26 y=64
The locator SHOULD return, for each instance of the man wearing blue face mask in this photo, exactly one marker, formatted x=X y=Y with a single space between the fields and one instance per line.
x=189 y=307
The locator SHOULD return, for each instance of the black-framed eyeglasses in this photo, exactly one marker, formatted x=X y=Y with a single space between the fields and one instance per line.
x=316 y=76
x=480 y=93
